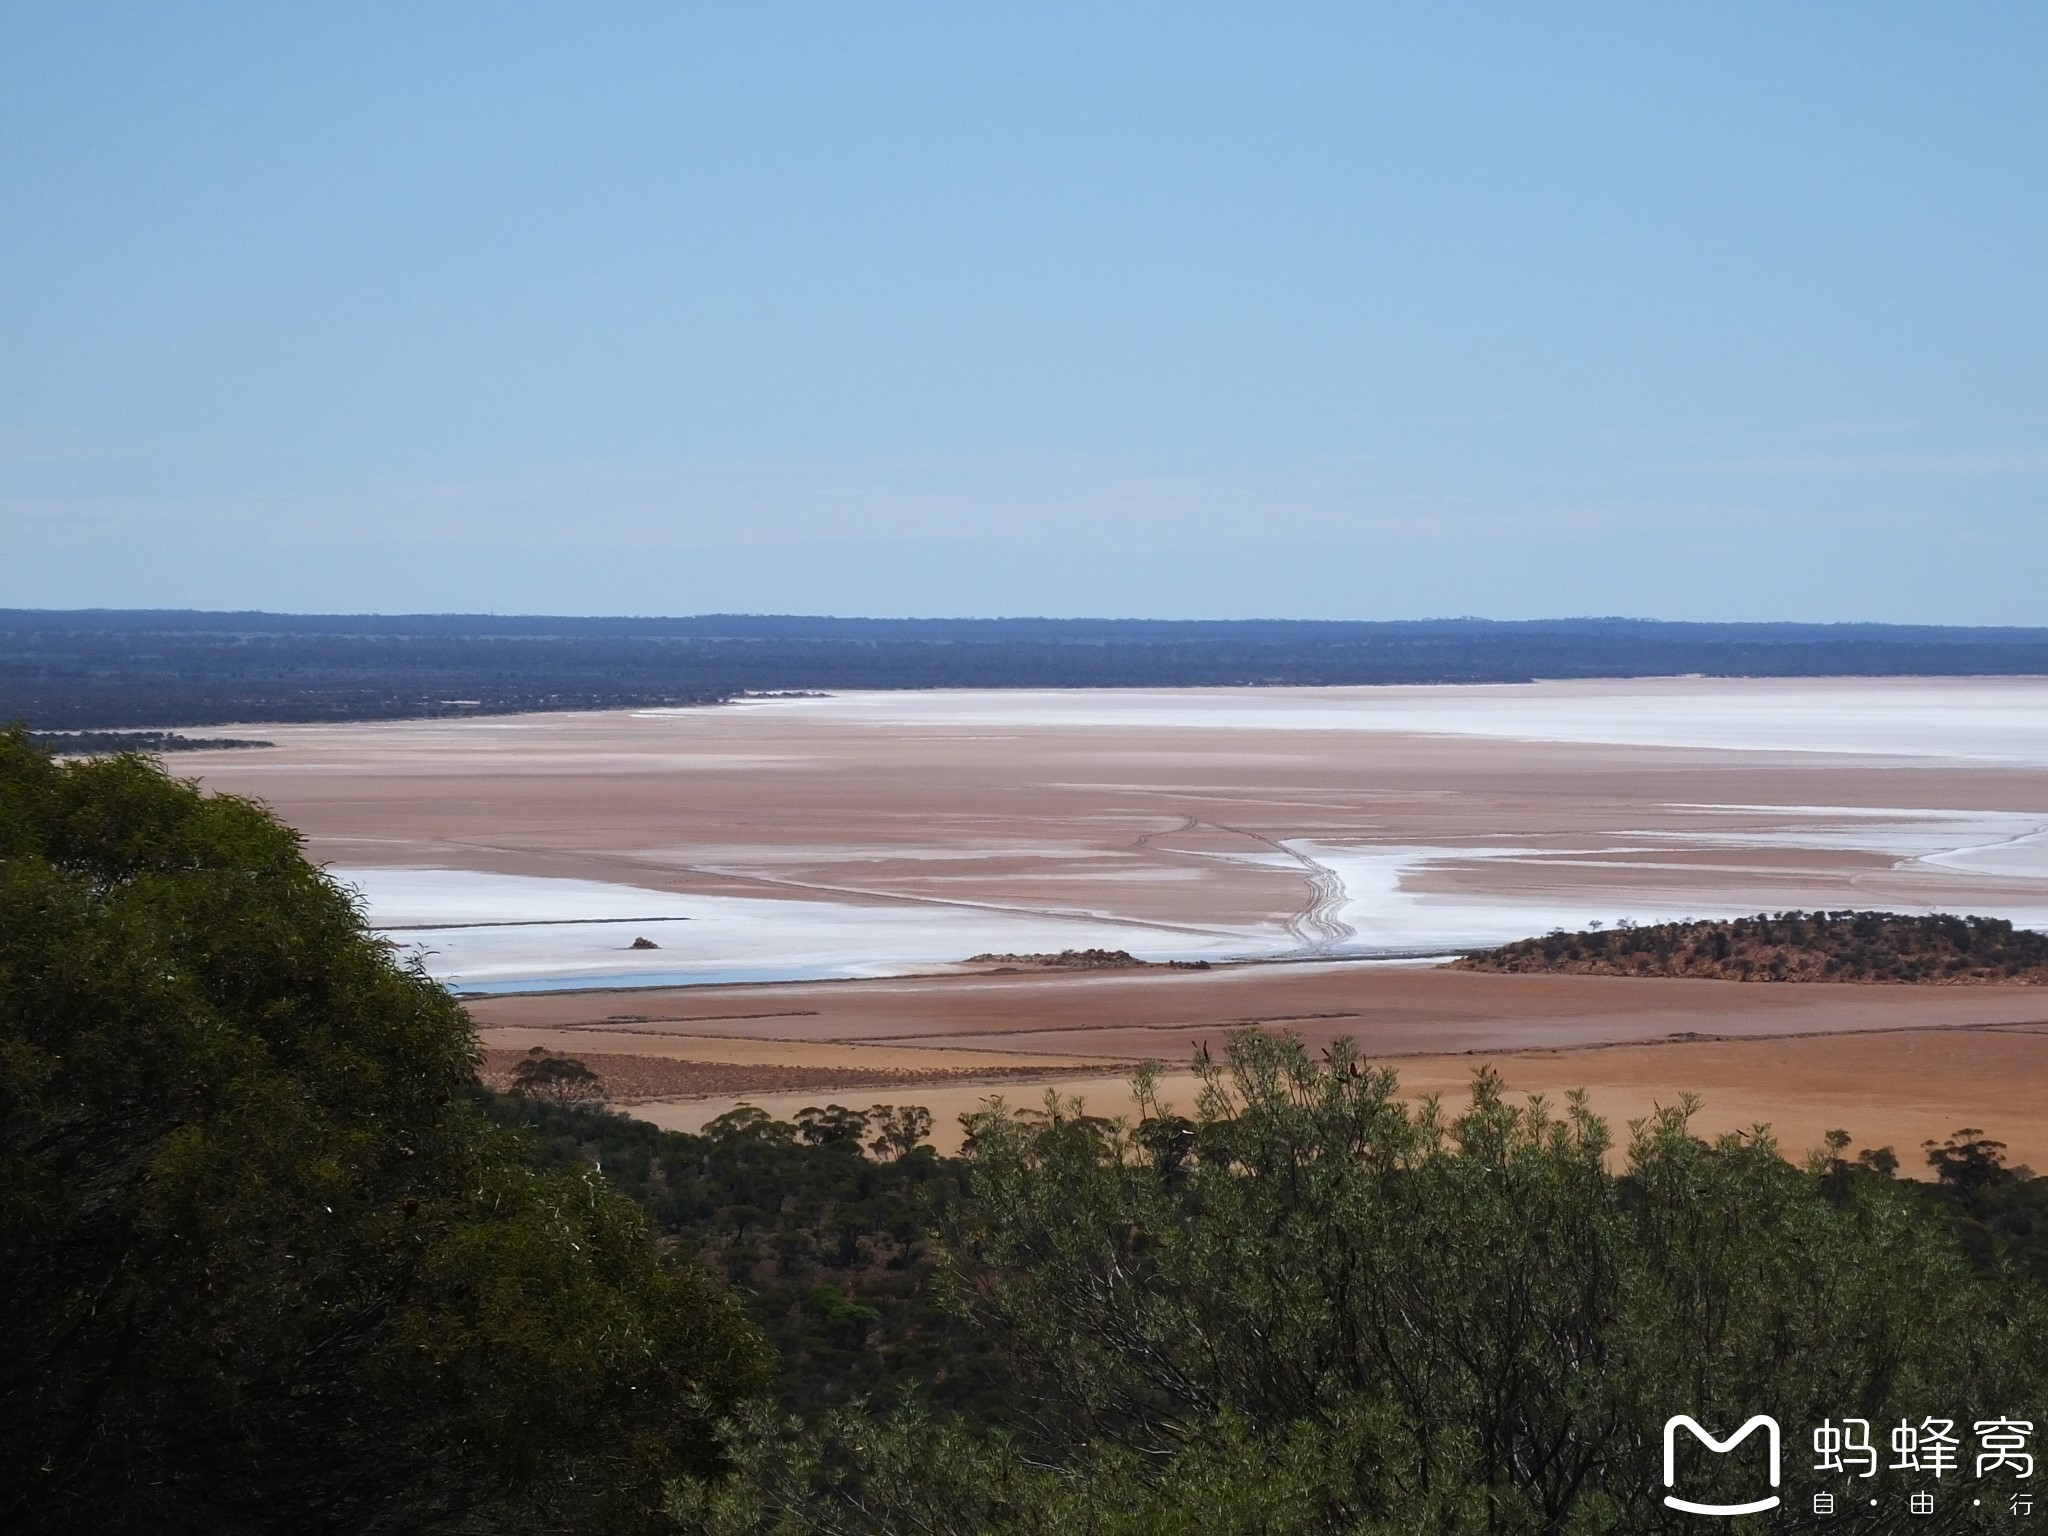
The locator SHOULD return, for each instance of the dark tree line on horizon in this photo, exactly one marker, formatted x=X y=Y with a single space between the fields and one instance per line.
x=111 y=669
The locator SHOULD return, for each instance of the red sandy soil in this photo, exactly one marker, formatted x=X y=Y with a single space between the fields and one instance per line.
x=1064 y=1018
x=1896 y=1089
x=637 y=1079
x=1892 y=1065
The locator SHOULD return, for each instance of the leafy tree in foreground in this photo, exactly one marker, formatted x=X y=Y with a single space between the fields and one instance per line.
x=1313 y=1308
x=266 y=1263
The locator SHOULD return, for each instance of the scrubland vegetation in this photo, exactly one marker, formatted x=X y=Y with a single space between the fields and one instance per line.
x=1791 y=946
x=277 y=1261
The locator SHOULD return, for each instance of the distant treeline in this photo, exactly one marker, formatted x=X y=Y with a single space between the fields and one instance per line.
x=1791 y=946
x=98 y=669
x=87 y=743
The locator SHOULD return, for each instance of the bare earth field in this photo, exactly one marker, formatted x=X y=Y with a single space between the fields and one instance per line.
x=1896 y=1089
x=631 y=1079
x=1074 y=1020
x=767 y=853
x=1893 y=1065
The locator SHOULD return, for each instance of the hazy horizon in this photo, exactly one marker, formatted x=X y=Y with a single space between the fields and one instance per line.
x=1533 y=621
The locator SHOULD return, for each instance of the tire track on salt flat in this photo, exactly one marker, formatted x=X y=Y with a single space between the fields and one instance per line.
x=1317 y=925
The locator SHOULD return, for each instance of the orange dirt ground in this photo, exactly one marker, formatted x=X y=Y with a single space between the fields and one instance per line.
x=1063 y=1019
x=628 y=1079
x=1893 y=1065
x=1899 y=1089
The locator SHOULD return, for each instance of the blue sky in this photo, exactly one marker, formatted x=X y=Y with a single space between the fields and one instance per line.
x=1732 y=311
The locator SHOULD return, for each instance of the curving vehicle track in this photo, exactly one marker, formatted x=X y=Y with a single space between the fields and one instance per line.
x=1317 y=925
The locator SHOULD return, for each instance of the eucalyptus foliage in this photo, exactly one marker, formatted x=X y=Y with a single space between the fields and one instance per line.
x=1313 y=1307
x=266 y=1263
